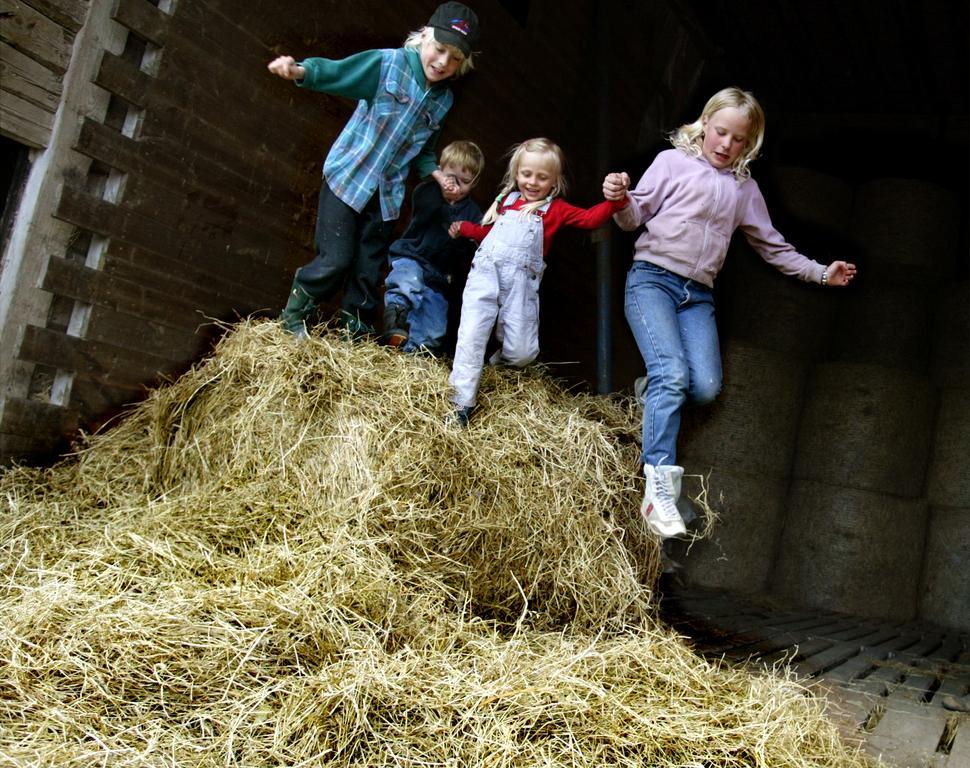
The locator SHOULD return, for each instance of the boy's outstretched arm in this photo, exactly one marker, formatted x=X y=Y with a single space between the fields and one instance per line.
x=287 y=68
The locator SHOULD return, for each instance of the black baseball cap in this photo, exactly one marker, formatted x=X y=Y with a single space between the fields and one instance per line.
x=455 y=24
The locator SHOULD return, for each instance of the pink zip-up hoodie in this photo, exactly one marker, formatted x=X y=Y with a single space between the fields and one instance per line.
x=690 y=209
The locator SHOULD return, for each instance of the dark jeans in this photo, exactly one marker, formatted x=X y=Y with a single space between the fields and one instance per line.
x=350 y=254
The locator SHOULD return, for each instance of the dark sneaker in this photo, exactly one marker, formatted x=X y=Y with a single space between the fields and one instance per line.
x=460 y=416
x=395 y=338
x=395 y=326
x=667 y=560
x=353 y=328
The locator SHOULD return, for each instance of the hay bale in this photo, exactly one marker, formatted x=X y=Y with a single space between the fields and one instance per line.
x=743 y=444
x=738 y=554
x=945 y=591
x=886 y=324
x=858 y=552
x=751 y=427
x=813 y=198
x=769 y=310
x=950 y=344
x=866 y=427
x=948 y=483
x=284 y=558
x=907 y=229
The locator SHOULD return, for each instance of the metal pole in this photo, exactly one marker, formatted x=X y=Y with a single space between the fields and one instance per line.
x=604 y=334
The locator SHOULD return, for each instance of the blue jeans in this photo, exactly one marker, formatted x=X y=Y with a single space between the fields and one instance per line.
x=672 y=319
x=427 y=308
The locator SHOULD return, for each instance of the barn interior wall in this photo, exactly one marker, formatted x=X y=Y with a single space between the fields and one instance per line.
x=32 y=421
x=36 y=46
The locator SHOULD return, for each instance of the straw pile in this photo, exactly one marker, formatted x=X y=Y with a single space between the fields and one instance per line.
x=286 y=558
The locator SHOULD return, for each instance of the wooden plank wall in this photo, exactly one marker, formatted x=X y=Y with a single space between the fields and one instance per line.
x=185 y=219
x=205 y=173
x=36 y=38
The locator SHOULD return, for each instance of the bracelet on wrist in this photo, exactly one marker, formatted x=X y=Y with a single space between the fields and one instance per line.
x=825 y=277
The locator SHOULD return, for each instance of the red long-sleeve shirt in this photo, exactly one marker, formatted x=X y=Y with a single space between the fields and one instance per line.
x=559 y=214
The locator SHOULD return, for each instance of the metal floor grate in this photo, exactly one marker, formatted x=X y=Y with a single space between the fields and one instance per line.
x=885 y=681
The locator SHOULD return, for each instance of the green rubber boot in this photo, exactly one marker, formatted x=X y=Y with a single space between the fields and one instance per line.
x=353 y=328
x=298 y=307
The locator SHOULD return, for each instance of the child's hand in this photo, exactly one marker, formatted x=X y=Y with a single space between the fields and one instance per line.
x=287 y=68
x=839 y=273
x=615 y=186
x=448 y=183
x=454 y=230
x=451 y=190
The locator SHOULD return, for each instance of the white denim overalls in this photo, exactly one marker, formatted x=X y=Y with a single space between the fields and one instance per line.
x=502 y=291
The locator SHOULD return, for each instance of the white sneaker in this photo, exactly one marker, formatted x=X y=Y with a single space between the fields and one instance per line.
x=659 y=508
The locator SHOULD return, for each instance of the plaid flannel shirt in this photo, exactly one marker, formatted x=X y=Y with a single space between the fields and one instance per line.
x=375 y=149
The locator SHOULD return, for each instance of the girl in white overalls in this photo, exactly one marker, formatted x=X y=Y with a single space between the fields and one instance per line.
x=502 y=290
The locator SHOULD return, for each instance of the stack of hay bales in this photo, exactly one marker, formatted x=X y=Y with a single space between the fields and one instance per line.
x=856 y=532
x=286 y=558
x=945 y=587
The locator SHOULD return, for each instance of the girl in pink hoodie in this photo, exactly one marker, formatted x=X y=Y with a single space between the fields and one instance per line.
x=689 y=202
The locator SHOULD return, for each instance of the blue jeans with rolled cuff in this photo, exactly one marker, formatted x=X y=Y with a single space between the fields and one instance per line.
x=427 y=308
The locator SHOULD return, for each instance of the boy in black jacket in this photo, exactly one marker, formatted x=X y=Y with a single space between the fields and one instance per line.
x=422 y=260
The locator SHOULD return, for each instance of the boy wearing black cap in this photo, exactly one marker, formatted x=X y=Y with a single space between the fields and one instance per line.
x=403 y=99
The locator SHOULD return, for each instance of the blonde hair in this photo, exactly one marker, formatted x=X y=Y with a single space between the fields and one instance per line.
x=690 y=136
x=467 y=155
x=540 y=146
x=416 y=39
